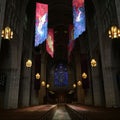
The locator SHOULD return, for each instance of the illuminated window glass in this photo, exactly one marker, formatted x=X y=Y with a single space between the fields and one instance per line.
x=61 y=76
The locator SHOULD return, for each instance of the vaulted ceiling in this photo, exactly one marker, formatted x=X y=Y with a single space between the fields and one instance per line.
x=59 y=18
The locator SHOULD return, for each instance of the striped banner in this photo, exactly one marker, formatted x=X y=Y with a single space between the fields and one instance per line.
x=50 y=42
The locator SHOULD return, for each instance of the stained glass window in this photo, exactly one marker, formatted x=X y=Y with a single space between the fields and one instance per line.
x=61 y=76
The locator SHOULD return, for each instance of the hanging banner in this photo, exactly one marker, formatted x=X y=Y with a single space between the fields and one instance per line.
x=50 y=42
x=41 y=23
x=78 y=17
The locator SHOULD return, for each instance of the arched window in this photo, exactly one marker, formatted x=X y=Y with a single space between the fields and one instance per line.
x=60 y=76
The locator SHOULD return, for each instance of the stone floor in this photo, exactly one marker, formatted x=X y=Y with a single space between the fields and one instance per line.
x=34 y=113
x=61 y=114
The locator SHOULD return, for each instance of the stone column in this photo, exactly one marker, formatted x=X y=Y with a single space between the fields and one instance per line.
x=105 y=50
x=89 y=100
x=116 y=56
x=80 y=90
x=12 y=88
x=12 y=84
x=97 y=85
x=117 y=2
x=42 y=91
x=26 y=86
x=34 y=93
x=2 y=13
x=26 y=80
x=96 y=77
x=108 y=79
x=14 y=67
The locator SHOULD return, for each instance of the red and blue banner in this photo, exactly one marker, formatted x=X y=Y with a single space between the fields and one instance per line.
x=78 y=17
x=50 y=42
x=41 y=23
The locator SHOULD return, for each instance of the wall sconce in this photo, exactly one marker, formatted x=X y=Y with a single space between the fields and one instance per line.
x=84 y=75
x=74 y=85
x=7 y=33
x=114 y=32
x=79 y=83
x=43 y=83
x=37 y=76
x=48 y=85
x=28 y=63
x=93 y=63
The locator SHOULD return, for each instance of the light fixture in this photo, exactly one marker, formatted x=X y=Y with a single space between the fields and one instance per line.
x=93 y=63
x=48 y=85
x=43 y=83
x=7 y=33
x=79 y=83
x=74 y=85
x=84 y=75
x=51 y=92
x=71 y=92
x=28 y=63
x=114 y=32
x=37 y=76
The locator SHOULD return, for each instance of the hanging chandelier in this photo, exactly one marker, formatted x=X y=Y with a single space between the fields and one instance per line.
x=114 y=32
x=84 y=75
x=74 y=85
x=93 y=63
x=48 y=85
x=7 y=33
x=37 y=76
x=79 y=83
x=43 y=83
x=28 y=63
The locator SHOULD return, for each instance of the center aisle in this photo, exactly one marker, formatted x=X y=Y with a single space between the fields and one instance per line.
x=61 y=113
